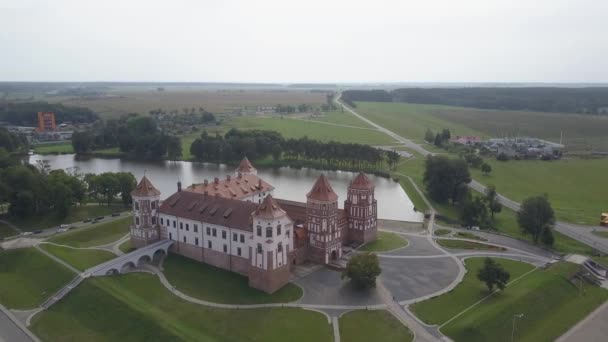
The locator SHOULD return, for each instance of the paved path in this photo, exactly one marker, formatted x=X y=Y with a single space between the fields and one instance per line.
x=11 y=330
x=581 y=233
x=593 y=328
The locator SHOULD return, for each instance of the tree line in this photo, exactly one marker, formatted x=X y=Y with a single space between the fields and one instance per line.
x=588 y=100
x=258 y=144
x=26 y=113
x=138 y=136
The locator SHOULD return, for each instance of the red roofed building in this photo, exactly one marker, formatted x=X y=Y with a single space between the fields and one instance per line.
x=218 y=224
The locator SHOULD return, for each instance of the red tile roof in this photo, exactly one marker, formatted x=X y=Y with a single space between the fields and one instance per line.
x=145 y=189
x=269 y=209
x=225 y=212
x=361 y=182
x=322 y=191
x=245 y=166
x=232 y=187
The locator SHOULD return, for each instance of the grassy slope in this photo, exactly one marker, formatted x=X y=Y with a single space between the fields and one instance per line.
x=549 y=302
x=6 y=230
x=216 y=285
x=79 y=258
x=28 y=277
x=570 y=183
x=373 y=325
x=384 y=242
x=126 y=247
x=136 y=307
x=97 y=235
x=439 y=309
x=75 y=214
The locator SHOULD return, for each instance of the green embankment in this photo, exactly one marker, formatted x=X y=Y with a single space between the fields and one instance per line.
x=373 y=325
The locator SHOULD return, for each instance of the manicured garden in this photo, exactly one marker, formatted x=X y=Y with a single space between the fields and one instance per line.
x=96 y=235
x=81 y=259
x=461 y=244
x=373 y=325
x=213 y=284
x=385 y=241
x=439 y=309
x=136 y=307
x=28 y=277
x=549 y=302
x=75 y=214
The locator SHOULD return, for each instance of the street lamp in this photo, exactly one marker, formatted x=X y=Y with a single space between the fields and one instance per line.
x=513 y=329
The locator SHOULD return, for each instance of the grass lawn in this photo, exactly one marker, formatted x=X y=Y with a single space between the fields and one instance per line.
x=28 y=277
x=385 y=241
x=76 y=214
x=601 y=233
x=136 y=307
x=79 y=258
x=126 y=247
x=467 y=235
x=550 y=303
x=97 y=235
x=459 y=244
x=439 y=310
x=373 y=325
x=216 y=285
x=340 y=118
x=570 y=183
x=62 y=147
x=6 y=230
x=414 y=196
x=442 y=231
x=314 y=130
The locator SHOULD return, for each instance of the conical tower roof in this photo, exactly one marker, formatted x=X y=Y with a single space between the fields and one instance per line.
x=269 y=209
x=145 y=189
x=361 y=182
x=245 y=166
x=322 y=190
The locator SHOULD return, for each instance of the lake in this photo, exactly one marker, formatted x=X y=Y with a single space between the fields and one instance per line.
x=291 y=184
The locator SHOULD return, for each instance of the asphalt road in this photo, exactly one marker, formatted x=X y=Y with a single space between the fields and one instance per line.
x=581 y=233
x=10 y=331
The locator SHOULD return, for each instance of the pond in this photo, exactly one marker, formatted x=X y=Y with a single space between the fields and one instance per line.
x=291 y=184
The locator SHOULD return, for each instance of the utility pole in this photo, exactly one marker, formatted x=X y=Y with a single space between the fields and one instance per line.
x=516 y=316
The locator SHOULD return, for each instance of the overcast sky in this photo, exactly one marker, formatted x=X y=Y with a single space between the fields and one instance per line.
x=305 y=40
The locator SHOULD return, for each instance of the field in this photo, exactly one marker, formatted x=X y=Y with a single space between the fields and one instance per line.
x=439 y=310
x=572 y=185
x=97 y=235
x=385 y=241
x=62 y=148
x=28 y=277
x=6 y=230
x=76 y=214
x=336 y=118
x=373 y=325
x=216 y=285
x=136 y=307
x=460 y=244
x=141 y=99
x=81 y=259
x=549 y=302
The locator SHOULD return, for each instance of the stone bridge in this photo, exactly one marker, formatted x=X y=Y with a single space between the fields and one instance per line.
x=130 y=260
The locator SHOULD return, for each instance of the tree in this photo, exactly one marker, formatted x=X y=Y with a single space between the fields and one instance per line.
x=438 y=141
x=536 y=216
x=446 y=179
x=486 y=168
x=362 y=270
x=491 y=198
x=174 y=148
x=445 y=134
x=502 y=156
x=474 y=212
x=492 y=274
x=428 y=136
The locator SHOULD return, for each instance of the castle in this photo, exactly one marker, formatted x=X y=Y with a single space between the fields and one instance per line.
x=236 y=224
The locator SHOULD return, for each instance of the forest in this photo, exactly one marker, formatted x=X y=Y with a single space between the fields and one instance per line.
x=26 y=113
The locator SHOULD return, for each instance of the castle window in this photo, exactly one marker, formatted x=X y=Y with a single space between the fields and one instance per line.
x=259 y=248
x=224 y=234
x=214 y=232
x=136 y=205
x=235 y=237
x=187 y=227
x=137 y=221
x=287 y=233
x=196 y=228
x=196 y=241
x=174 y=223
x=279 y=230
x=153 y=219
x=280 y=247
x=238 y=251
x=181 y=225
x=242 y=238
x=268 y=232
x=225 y=248
x=162 y=222
x=259 y=230
x=170 y=236
x=153 y=204
x=208 y=231
x=209 y=244
x=184 y=239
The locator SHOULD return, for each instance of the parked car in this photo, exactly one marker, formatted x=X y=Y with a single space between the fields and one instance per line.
x=64 y=226
x=115 y=214
x=98 y=218
x=87 y=220
x=61 y=230
x=37 y=231
x=26 y=233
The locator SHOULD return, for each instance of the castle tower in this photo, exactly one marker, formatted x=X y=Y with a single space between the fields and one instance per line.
x=322 y=222
x=144 y=229
x=245 y=168
x=361 y=210
x=270 y=247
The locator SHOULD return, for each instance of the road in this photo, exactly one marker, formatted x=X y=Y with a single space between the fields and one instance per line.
x=580 y=233
x=11 y=331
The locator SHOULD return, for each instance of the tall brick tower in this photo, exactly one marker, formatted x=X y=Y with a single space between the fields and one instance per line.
x=144 y=230
x=361 y=210
x=322 y=221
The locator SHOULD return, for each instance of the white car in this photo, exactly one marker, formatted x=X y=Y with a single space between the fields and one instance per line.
x=64 y=226
x=61 y=230
x=27 y=233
